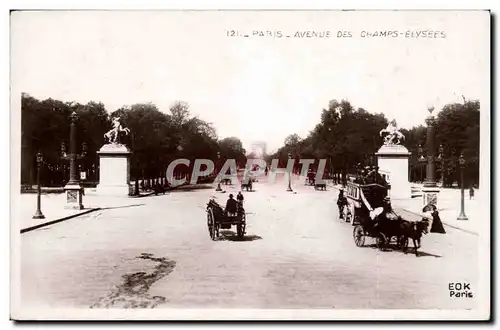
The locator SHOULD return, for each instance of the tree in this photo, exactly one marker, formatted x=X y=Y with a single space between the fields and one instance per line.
x=457 y=129
x=45 y=125
x=232 y=148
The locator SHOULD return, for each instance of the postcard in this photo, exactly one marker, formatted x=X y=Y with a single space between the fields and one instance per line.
x=250 y=165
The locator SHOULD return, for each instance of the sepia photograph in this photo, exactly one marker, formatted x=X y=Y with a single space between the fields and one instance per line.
x=250 y=165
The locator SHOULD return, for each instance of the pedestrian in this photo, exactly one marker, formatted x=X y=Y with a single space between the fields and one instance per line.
x=240 y=198
x=341 y=202
x=430 y=212
x=471 y=192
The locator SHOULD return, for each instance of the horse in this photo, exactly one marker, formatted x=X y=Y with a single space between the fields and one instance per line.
x=247 y=185
x=392 y=134
x=413 y=230
x=311 y=178
x=113 y=134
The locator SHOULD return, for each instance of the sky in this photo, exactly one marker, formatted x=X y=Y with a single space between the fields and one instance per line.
x=256 y=88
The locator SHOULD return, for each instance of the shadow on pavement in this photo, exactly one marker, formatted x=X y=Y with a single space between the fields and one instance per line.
x=190 y=188
x=409 y=250
x=227 y=235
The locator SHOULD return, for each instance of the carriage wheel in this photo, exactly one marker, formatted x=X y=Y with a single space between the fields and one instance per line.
x=381 y=241
x=211 y=223
x=358 y=235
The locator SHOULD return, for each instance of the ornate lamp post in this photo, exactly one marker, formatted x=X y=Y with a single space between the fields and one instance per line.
x=38 y=213
x=430 y=190
x=219 y=168
x=73 y=188
x=430 y=180
x=441 y=159
x=289 y=176
x=421 y=160
x=462 y=163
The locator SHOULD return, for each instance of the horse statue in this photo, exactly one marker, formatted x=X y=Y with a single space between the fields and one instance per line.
x=393 y=135
x=113 y=135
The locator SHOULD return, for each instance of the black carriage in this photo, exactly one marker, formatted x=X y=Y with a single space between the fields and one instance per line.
x=218 y=218
x=362 y=199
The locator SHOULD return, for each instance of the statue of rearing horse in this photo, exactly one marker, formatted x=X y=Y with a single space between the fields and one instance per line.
x=393 y=135
x=113 y=135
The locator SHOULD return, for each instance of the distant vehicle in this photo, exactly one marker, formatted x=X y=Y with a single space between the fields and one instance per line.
x=218 y=218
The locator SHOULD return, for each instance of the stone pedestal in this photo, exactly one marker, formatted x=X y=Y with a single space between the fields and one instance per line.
x=392 y=161
x=429 y=195
x=114 y=171
x=74 y=196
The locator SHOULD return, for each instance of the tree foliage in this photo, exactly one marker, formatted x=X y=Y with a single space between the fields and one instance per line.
x=156 y=137
x=347 y=136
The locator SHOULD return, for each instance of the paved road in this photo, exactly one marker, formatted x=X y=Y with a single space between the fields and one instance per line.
x=296 y=254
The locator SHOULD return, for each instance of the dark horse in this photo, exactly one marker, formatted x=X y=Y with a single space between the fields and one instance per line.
x=247 y=185
x=403 y=230
x=414 y=230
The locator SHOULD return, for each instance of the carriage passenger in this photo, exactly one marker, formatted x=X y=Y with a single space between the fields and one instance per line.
x=385 y=213
x=231 y=206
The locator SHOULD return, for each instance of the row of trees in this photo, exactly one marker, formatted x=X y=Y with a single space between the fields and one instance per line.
x=348 y=137
x=156 y=137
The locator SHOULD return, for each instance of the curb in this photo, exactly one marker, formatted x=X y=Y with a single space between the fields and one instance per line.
x=143 y=195
x=24 y=230
x=447 y=224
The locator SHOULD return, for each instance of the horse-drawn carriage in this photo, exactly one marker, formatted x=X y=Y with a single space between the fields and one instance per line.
x=218 y=218
x=311 y=178
x=365 y=203
x=373 y=216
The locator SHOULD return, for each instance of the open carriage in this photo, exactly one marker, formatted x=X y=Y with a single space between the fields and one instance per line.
x=218 y=218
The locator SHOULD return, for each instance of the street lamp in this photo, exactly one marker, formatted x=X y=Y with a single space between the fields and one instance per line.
x=38 y=213
x=462 y=162
x=289 y=175
x=218 y=166
x=430 y=171
x=430 y=190
x=441 y=159
x=73 y=188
